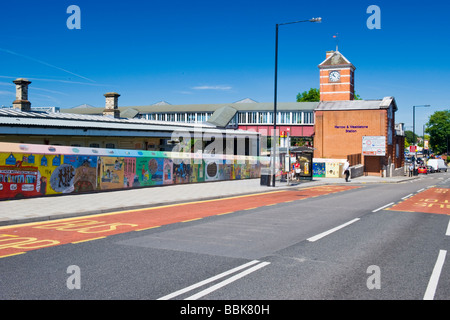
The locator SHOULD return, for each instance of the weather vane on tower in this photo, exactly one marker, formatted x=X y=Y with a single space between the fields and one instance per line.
x=337 y=40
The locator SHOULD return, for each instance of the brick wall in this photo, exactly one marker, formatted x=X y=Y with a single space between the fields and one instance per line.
x=339 y=134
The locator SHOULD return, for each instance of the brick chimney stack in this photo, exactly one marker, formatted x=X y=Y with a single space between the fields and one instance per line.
x=112 y=105
x=21 y=102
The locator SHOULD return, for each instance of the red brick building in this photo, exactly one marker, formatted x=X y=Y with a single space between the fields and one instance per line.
x=336 y=78
x=362 y=131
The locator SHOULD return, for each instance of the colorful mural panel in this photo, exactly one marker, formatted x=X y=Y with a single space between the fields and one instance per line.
x=37 y=170
x=319 y=169
x=111 y=173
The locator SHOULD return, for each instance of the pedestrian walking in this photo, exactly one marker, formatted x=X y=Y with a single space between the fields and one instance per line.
x=297 y=170
x=411 y=169
x=346 y=170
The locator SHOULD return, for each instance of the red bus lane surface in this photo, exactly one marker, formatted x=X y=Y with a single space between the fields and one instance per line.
x=432 y=200
x=18 y=239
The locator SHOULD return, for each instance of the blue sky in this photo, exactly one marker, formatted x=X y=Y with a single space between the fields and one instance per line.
x=211 y=51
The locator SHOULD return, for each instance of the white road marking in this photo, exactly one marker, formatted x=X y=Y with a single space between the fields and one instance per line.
x=434 y=279
x=227 y=281
x=383 y=207
x=405 y=197
x=324 y=234
x=447 y=233
x=201 y=283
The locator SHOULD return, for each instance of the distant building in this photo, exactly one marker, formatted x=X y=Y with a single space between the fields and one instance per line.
x=109 y=129
x=295 y=117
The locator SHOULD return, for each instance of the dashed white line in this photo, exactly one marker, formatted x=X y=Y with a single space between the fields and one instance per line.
x=447 y=233
x=201 y=283
x=434 y=279
x=383 y=207
x=405 y=197
x=227 y=281
x=324 y=234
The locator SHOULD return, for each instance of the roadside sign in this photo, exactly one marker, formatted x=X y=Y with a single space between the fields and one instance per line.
x=373 y=145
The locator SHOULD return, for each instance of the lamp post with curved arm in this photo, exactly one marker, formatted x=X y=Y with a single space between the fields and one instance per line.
x=274 y=135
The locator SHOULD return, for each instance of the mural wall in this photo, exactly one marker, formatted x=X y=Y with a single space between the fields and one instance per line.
x=328 y=168
x=28 y=170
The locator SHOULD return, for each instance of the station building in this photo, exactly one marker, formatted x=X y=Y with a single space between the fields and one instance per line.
x=246 y=114
x=336 y=126
x=361 y=131
x=23 y=124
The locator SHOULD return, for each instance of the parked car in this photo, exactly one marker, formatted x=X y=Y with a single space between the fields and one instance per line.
x=437 y=164
x=422 y=169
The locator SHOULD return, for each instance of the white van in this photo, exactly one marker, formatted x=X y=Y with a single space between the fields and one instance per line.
x=437 y=164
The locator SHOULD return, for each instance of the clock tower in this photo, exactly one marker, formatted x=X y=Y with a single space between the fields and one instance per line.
x=336 y=78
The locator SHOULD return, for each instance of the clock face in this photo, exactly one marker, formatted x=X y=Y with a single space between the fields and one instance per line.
x=334 y=76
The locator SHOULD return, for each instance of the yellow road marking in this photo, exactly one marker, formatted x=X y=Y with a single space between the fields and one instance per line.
x=137 y=210
x=192 y=220
x=12 y=254
x=75 y=242
x=220 y=214
x=147 y=228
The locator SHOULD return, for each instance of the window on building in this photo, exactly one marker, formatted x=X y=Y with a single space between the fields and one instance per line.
x=201 y=117
x=284 y=117
x=170 y=117
x=309 y=117
x=242 y=116
x=296 y=117
x=263 y=117
x=288 y=117
x=252 y=117
x=191 y=117
x=270 y=117
x=110 y=146
x=94 y=145
x=181 y=117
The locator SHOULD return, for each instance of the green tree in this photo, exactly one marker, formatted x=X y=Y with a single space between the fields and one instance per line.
x=313 y=95
x=409 y=136
x=438 y=126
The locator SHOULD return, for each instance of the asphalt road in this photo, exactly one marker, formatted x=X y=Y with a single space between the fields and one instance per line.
x=372 y=242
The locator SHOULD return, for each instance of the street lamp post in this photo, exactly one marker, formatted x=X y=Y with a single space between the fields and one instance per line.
x=414 y=129
x=274 y=136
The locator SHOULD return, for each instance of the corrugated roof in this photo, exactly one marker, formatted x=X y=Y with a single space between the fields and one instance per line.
x=222 y=117
x=258 y=106
x=357 y=104
x=12 y=117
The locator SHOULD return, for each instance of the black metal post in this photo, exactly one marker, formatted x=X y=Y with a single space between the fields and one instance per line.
x=274 y=134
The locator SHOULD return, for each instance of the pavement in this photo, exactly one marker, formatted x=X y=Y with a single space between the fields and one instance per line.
x=73 y=205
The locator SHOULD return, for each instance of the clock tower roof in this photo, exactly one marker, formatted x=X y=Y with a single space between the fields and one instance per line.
x=336 y=59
